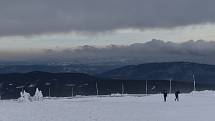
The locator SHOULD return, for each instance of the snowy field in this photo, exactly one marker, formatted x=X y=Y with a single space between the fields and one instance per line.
x=198 y=106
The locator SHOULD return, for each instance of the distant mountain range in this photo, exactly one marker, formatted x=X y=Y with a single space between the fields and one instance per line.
x=68 y=68
x=178 y=71
x=131 y=78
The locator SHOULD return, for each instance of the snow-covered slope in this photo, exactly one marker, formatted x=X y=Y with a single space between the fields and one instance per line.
x=197 y=106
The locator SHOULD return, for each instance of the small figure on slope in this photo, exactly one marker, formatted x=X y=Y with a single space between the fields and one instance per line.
x=176 y=95
x=164 y=95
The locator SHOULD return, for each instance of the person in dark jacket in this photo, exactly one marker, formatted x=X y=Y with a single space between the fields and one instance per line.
x=176 y=95
x=164 y=95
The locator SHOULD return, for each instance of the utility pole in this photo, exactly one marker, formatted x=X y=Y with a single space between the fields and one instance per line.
x=122 y=88
x=72 y=92
x=194 y=83
x=170 y=86
x=72 y=86
x=97 y=90
x=49 y=92
x=146 y=87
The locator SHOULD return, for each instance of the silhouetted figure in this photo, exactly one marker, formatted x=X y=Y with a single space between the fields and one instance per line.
x=164 y=95
x=176 y=95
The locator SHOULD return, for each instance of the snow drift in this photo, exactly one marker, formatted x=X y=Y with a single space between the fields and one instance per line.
x=197 y=106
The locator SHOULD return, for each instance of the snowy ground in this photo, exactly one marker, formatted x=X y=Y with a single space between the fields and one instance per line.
x=198 y=106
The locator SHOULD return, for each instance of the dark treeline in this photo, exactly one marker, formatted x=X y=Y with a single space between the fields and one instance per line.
x=68 y=84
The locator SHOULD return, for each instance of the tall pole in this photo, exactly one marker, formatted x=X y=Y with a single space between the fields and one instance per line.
x=170 y=86
x=97 y=90
x=49 y=92
x=146 y=87
x=194 y=83
x=122 y=88
x=71 y=86
x=72 y=92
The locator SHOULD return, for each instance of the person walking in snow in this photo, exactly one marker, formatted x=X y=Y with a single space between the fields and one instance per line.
x=165 y=95
x=176 y=95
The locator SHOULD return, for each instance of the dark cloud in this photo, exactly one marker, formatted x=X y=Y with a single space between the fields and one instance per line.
x=152 y=51
x=26 y=17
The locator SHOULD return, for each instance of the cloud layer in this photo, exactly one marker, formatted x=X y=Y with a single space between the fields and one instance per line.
x=152 y=51
x=27 y=17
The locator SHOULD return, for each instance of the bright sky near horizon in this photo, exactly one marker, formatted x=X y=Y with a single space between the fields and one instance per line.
x=118 y=37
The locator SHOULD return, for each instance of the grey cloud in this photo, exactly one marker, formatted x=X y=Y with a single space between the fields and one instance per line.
x=27 y=17
x=153 y=51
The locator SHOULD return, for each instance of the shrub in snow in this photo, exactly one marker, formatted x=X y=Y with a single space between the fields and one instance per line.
x=38 y=95
x=205 y=92
x=24 y=97
x=116 y=95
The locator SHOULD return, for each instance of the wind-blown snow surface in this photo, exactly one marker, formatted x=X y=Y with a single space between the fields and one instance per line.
x=197 y=106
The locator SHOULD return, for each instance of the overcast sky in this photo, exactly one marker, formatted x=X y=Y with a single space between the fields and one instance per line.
x=36 y=25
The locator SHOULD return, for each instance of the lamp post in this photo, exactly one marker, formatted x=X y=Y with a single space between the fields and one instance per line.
x=146 y=87
x=71 y=85
x=170 y=86
x=97 y=90
x=122 y=88
x=194 y=83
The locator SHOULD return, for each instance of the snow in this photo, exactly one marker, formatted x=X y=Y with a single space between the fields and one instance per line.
x=197 y=106
x=24 y=97
x=38 y=96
